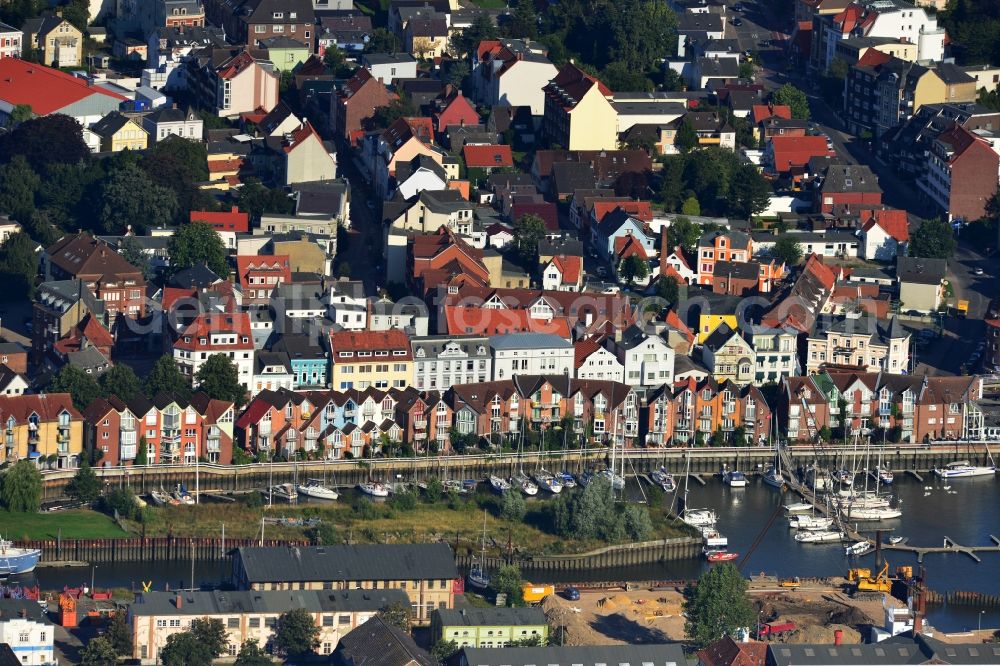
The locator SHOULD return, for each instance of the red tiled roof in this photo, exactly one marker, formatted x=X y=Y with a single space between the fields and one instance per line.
x=354 y=341
x=47 y=406
x=576 y=83
x=255 y=411
x=582 y=349
x=235 y=65
x=231 y=220
x=488 y=156
x=208 y=323
x=640 y=210
x=894 y=222
x=298 y=136
x=796 y=151
x=484 y=321
x=267 y=264
x=45 y=89
x=626 y=246
x=762 y=112
x=849 y=18
x=873 y=58
x=571 y=268
x=546 y=210
x=225 y=166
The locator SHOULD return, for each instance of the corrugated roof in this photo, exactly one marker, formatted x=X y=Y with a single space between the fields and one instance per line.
x=358 y=562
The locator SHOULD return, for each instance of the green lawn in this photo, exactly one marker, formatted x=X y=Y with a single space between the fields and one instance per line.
x=79 y=524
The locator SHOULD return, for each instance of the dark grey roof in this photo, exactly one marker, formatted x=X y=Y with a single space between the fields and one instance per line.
x=570 y=247
x=920 y=271
x=324 y=196
x=109 y=124
x=299 y=346
x=282 y=42
x=491 y=617
x=719 y=68
x=263 y=359
x=736 y=238
x=199 y=276
x=67 y=293
x=89 y=360
x=699 y=22
x=360 y=562
x=444 y=201
x=666 y=654
x=275 y=117
x=7 y=28
x=741 y=270
x=719 y=337
x=528 y=341
x=880 y=331
x=232 y=602
x=433 y=345
x=850 y=178
x=12 y=348
x=264 y=11
x=952 y=74
x=902 y=649
x=570 y=176
x=406 y=169
x=378 y=643
x=169 y=114
x=388 y=58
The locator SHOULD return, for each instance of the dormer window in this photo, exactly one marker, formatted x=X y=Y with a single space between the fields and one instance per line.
x=278 y=15
x=292 y=15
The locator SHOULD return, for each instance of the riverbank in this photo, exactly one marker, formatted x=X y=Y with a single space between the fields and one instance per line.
x=70 y=524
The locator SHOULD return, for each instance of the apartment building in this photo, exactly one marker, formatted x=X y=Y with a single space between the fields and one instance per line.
x=646 y=357
x=530 y=354
x=119 y=285
x=210 y=333
x=378 y=359
x=731 y=246
x=961 y=174
x=489 y=627
x=41 y=426
x=692 y=411
x=858 y=340
x=249 y=615
x=442 y=360
x=426 y=572
x=578 y=114
x=260 y=275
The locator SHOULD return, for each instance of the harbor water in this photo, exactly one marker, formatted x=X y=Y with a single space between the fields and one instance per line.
x=967 y=513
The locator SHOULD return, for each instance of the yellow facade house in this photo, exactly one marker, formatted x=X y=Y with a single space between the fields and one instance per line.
x=370 y=359
x=44 y=428
x=53 y=41
x=118 y=133
x=578 y=111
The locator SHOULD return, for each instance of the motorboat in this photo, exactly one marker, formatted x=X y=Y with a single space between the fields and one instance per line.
x=315 y=488
x=454 y=486
x=714 y=539
x=773 y=477
x=526 y=485
x=720 y=556
x=859 y=548
x=15 y=560
x=844 y=476
x=819 y=537
x=283 y=491
x=798 y=507
x=883 y=475
x=498 y=485
x=893 y=540
x=801 y=522
x=375 y=489
x=617 y=480
x=699 y=517
x=735 y=479
x=663 y=479
x=547 y=482
x=566 y=479
x=961 y=469
x=870 y=515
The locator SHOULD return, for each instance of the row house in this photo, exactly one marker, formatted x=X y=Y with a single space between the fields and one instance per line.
x=443 y=259
x=210 y=333
x=260 y=275
x=691 y=411
x=646 y=358
x=599 y=411
x=251 y=21
x=378 y=359
x=904 y=408
x=37 y=427
x=577 y=111
x=399 y=143
x=59 y=309
x=117 y=283
x=729 y=246
x=353 y=104
x=173 y=429
x=439 y=361
x=511 y=72
x=593 y=361
x=858 y=340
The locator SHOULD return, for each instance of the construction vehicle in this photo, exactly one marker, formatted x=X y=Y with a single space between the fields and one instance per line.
x=962 y=309
x=773 y=629
x=791 y=583
x=534 y=593
x=864 y=581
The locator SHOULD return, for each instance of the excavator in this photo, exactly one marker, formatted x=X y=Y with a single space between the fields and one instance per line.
x=863 y=580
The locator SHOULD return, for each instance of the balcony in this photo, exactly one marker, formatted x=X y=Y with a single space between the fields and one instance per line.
x=420 y=425
x=172 y=436
x=292 y=435
x=171 y=422
x=213 y=445
x=264 y=428
x=128 y=426
x=309 y=444
x=128 y=452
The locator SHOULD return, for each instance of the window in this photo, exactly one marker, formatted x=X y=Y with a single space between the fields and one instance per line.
x=233 y=623
x=254 y=623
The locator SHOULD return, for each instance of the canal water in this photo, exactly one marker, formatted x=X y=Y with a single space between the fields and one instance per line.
x=967 y=513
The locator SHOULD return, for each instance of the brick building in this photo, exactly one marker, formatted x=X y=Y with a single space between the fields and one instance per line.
x=115 y=282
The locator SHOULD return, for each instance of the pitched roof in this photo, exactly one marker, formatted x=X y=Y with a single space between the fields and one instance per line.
x=894 y=222
x=727 y=652
x=918 y=270
x=762 y=112
x=357 y=562
x=571 y=268
x=484 y=321
x=230 y=220
x=796 y=151
x=640 y=210
x=82 y=254
x=571 y=84
x=488 y=156
x=582 y=349
x=47 y=90
x=378 y=643
x=353 y=341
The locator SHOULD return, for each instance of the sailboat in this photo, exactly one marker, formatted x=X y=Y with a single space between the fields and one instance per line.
x=498 y=485
x=961 y=469
x=547 y=481
x=773 y=477
x=810 y=522
x=695 y=517
x=520 y=479
x=315 y=488
x=182 y=495
x=663 y=479
x=478 y=578
x=819 y=537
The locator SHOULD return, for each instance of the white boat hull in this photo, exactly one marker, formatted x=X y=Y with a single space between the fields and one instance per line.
x=871 y=515
x=964 y=472
x=318 y=492
x=798 y=507
x=373 y=489
x=699 y=517
x=818 y=537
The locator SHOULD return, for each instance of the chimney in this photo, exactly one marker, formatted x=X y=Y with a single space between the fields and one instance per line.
x=178 y=601
x=838 y=637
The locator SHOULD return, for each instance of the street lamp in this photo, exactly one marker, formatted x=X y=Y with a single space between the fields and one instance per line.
x=981 y=613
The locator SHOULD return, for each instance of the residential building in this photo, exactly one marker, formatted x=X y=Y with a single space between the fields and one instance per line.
x=14 y=357
x=578 y=114
x=853 y=49
x=259 y=276
x=443 y=260
x=379 y=643
x=426 y=36
x=691 y=411
x=512 y=72
x=67 y=309
x=858 y=340
x=776 y=352
x=387 y=68
x=400 y=142
x=489 y=627
x=52 y=40
x=31 y=640
x=846 y=189
x=272 y=371
x=728 y=356
x=530 y=354
x=38 y=426
x=210 y=333
x=118 y=132
x=249 y=616
x=646 y=357
x=432 y=210
x=299 y=156
x=921 y=283
x=787 y=156
x=49 y=91
x=250 y=21
x=347 y=30
x=286 y=53
x=439 y=361
x=11 y=40
x=380 y=359
x=885 y=233
x=584 y=655
x=729 y=246
x=488 y=157
x=353 y=104
x=309 y=360
x=424 y=571
x=171 y=121
x=712 y=128
x=593 y=361
x=616 y=226
x=961 y=174
x=244 y=84
x=119 y=285
x=419 y=174
x=171 y=14
x=563 y=273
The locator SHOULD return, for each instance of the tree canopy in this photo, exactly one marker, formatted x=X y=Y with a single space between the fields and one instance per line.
x=98 y=651
x=219 y=378
x=252 y=654
x=184 y=649
x=396 y=614
x=21 y=487
x=633 y=268
x=81 y=386
x=197 y=243
x=165 y=377
x=507 y=580
x=18 y=267
x=120 y=381
x=933 y=239
x=787 y=250
x=528 y=231
x=297 y=633
x=255 y=199
x=84 y=486
x=717 y=606
x=129 y=198
x=46 y=140
x=721 y=182
x=795 y=99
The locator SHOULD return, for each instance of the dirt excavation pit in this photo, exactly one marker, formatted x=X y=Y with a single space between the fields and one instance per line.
x=818 y=617
x=617 y=617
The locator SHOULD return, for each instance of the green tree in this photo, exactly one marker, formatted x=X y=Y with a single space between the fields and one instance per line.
x=638 y=524
x=211 y=633
x=21 y=488
x=619 y=77
x=81 y=386
x=382 y=40
x=671 y=193
x=717 y=606
x=523 y=21
x=142 y=452
x=396 y=614
x=458 y=71
x=184 y=649
x=633 y=268
x=179 y=164
x=401 y=107
x=749 y=192
x=297 y=633
x=19 y=114
x=686 y=138
x=165 y=377
x=790 y=96
x=18 y=184
x=787 y=250
x=55 y=138
x=443 y=650
x=18 y=267
x=512 y=506
x=683 y=233
x=668 y=289
x=933 y=239
x=84 y=486
x=127 y=197
x=528 y=231
x=335 y=60
x=325 y=534
x=256 y=200
x=219 y=378
x=508 y=581
x=252 y=654
x=119 y=636
x=98 y=651
x=463 y=42
x=691 y=206
x=197 y=243
x=120 y=381
x=132 y=252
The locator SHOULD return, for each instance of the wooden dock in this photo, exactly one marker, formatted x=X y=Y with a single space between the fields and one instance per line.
x=949 y=546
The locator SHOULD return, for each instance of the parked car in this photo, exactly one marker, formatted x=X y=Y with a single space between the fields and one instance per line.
x=571 y=594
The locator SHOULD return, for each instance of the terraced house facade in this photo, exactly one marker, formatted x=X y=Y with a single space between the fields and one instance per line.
x=45 y=429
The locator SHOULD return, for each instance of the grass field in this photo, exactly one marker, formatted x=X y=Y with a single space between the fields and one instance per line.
x=77 y=524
